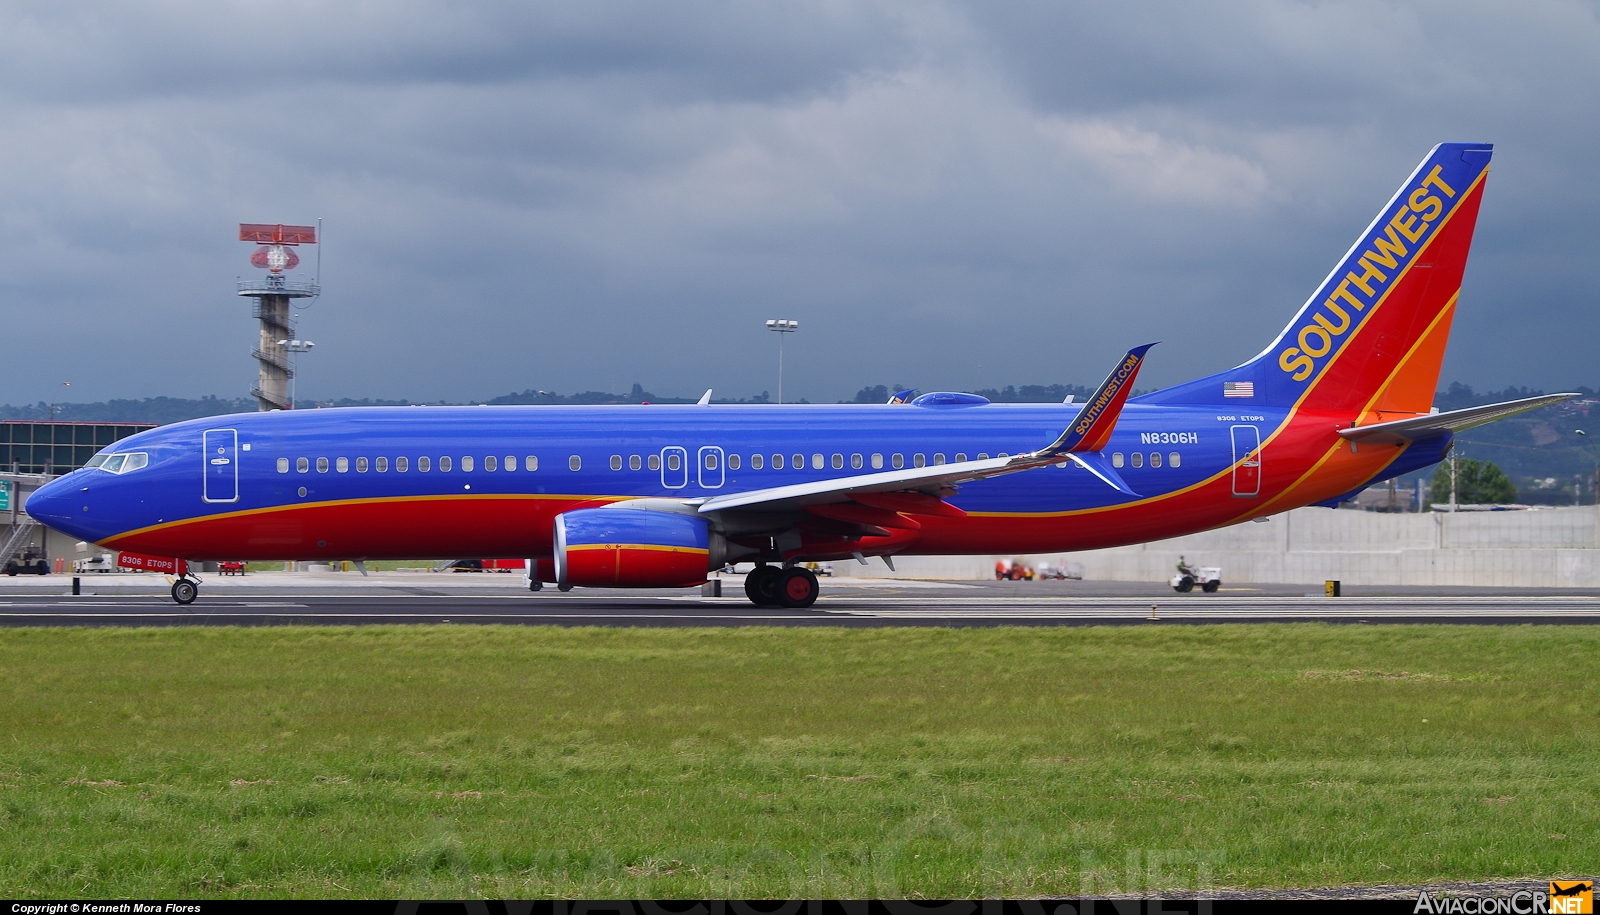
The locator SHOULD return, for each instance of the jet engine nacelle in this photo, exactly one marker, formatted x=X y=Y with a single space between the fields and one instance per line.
x=608 y=548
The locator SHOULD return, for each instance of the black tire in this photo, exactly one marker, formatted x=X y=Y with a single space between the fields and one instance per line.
x=535 y=584
x=1185 y=586
x=41 y=568
x=1211 y=587
x=11 y=569
x=185 y=591
x=761 y=585
x=798 y=588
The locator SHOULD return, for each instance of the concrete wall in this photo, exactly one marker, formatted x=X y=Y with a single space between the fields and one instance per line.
x=1550 y=548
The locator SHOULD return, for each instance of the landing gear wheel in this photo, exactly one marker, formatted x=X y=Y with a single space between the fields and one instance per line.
x=185 y=591
x=1211 y=587
x=798 y=588
x=761 y=585
x=1185 y=586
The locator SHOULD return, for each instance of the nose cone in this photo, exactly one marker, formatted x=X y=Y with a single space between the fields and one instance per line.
x=57 y=504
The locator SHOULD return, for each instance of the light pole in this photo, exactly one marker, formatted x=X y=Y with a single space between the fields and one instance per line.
x=1595 y=485
x=296 y=348
x=782 y=326
x=65 y=384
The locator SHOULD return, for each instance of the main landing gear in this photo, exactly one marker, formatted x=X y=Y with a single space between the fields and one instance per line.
x=775 y=586
x=185 y=590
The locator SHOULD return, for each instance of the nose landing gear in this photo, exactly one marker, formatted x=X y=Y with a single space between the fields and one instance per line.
x=185 y=590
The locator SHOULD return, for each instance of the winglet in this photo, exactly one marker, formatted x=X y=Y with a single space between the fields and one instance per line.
x=1092 y=429
x=704 y=398
x=902 y=396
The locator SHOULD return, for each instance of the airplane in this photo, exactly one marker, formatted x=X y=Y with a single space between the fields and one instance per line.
x=656 y=496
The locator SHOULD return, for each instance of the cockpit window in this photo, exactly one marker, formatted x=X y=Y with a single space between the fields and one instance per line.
x=126 y=462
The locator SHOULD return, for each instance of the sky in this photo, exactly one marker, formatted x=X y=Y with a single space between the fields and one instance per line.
x=584 y=195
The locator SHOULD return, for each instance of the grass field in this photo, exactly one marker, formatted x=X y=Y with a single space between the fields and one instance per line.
x=417 y=761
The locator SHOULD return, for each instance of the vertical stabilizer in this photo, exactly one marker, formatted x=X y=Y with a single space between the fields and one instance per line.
x=1372 y=337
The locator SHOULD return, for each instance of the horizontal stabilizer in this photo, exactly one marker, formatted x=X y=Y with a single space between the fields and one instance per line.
x=1401 y=431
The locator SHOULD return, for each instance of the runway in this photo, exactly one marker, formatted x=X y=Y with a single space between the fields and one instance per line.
x=401 y=598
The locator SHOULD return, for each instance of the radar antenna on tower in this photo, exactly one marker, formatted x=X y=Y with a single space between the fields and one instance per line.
x=272 y=293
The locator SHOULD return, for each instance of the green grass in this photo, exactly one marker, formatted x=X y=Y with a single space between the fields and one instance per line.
x=417 y=761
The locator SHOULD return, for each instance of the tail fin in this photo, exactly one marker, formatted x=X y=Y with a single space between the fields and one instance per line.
x=1372 y=337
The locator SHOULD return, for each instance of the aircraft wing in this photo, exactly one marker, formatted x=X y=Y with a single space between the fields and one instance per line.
x=1090 y=430
x=1401 y=431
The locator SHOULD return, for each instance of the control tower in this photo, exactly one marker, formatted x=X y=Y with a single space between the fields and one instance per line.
x=272 y=293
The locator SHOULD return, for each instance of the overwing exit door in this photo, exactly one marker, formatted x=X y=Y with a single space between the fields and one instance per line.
x=1246 y=462
x=710 y=467
x=220 y=450
x=674 y=467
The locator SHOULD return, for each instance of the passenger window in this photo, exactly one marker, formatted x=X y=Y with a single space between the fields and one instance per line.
x=530 y=463
x=1137 y=459
x=711 y=460
x=1002 y=454
x=756 y=462
x=574 y=463
x=673 y=461
x=816 y=462
x=733 y=462
x=654 y=462
x=1174 y=459
x=361 y=465
x=1116 y=459
x=511 y=463
x=383 y=465
x=960 y=458
x=283 y=464
x=983 y=456
x=423 y=464
x=466 y=463
x=616 y=462
x=322 y=465
x=444 y=465
x=899 y=461
x=300 y=464
x=777 y=462
x=342 y=465
x=938 y=457
x=877 y=462
x=634 y=463
x=491 y=464
x=838 y=462
x=798 y=461
x=855 y=462
x=401 y=465
x=918 y=460
x=1155 y=459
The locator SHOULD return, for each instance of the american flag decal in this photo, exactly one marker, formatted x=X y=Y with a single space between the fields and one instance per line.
x=1238 y=389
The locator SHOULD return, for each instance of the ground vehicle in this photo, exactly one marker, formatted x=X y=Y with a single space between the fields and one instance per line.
x=100 y=562
x=29 y=561
x=1013 y=570
x=821 y=568
x=1209 y=578
x=230 y=567
x=1060 y=572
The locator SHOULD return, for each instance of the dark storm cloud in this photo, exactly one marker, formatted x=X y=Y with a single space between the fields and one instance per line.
x=574 y=196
